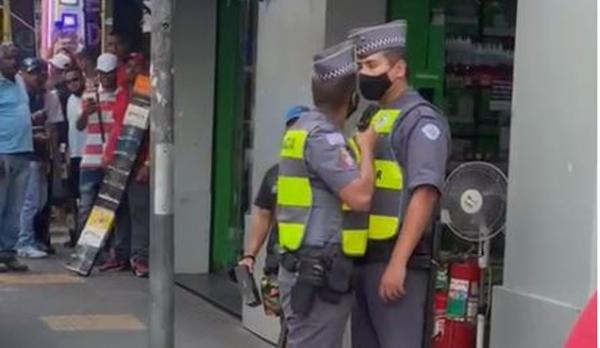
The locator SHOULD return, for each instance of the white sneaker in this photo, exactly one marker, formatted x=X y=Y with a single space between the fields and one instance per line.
x=30 y=252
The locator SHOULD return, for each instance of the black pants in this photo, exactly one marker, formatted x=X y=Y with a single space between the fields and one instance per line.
x=41 y=221
x=74 y=196
x=74 y=166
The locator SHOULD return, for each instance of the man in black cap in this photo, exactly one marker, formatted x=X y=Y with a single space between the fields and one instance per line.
x=321 y=190
x=410 y=161
x=46 y=112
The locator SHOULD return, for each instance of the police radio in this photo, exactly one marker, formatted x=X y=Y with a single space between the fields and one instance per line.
x=365 y=119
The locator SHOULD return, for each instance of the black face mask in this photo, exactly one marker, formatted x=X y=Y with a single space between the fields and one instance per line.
x=373 y=87
x=353 y=105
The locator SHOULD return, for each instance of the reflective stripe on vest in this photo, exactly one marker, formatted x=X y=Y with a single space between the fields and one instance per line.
x=295 y=199
x=355 y=227
x=294 y=194
x=384 y=218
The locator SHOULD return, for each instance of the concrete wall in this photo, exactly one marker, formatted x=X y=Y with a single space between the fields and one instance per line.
x=343 y=15
x=289 y=33
x=550 y=259
x=195 y=43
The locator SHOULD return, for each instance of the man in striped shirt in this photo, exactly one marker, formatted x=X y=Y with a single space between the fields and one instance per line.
x=97 y=119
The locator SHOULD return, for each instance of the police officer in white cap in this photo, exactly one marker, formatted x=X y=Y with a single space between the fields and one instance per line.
x=321 y=180
x=410 y=162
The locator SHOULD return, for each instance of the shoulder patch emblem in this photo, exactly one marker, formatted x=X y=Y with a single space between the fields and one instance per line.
x=335 y=139
x=346 y=160
x=431 y=131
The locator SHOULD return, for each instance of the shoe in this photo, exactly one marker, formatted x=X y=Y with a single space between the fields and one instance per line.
x=113 y=265
x=139 y=267
x=30 y=252
x=48 y=249
x=16 y=266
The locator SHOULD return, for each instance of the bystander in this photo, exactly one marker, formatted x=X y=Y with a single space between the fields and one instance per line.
x=16 y=143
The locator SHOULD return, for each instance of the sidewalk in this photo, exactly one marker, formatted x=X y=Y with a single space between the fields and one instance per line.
x=50 y=308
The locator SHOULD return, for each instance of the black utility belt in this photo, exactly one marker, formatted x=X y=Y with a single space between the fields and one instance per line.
x=381 y=252
x=320 y=271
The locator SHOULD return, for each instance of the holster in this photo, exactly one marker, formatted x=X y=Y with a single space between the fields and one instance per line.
x=323 y=271
x=311 y=276
x=338 y=277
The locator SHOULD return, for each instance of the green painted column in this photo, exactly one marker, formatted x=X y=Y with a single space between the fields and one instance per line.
x=228 y=115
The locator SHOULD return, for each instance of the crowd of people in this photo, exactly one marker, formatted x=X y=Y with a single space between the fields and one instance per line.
x=60 y=122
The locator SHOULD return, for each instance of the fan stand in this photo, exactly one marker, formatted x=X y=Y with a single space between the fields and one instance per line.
x=483 y=261
x=466 y=197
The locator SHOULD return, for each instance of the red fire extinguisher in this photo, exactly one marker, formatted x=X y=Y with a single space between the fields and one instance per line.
x=462 y=305
x=440 y=302
x=463 y=294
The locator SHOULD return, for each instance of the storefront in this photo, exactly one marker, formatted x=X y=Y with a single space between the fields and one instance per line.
x=514 y=78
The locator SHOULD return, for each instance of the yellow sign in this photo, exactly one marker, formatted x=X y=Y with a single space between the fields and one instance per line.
x=100 y=219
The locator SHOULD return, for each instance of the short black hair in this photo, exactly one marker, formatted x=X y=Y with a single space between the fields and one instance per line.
x=124 y=40
x=333 y=94
x=74 y=68
x=394 y=55
x=6 y=46
x=88 y=54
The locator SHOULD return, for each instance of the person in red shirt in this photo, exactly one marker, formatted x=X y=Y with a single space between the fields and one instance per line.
x=119 y=45
x=137 y=202
x=96 y=119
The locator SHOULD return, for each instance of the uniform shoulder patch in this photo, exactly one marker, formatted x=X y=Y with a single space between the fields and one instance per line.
x=335 y=139
x=431 y=131
x=345 y=159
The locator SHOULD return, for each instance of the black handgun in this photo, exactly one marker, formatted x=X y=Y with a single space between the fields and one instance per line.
x=366 y=117
x=247 y=285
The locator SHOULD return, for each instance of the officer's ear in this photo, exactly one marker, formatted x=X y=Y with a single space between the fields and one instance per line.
x=399 y=70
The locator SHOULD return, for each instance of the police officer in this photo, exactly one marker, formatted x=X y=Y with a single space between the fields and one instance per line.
x=320 y=182
x=263 y=226
x=410 y=163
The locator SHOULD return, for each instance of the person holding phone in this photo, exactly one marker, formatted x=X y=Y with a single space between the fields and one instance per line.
x=96 y=118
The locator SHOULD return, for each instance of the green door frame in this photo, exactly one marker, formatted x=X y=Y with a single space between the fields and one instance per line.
x=227 y=119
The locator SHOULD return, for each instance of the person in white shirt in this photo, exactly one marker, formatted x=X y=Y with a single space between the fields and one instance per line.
x=76 y=85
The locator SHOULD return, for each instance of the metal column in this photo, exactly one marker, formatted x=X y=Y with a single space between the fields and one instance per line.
x=162 y=141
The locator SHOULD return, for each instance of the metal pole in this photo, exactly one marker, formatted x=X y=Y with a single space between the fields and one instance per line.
x=7 y=27
x=162 y=140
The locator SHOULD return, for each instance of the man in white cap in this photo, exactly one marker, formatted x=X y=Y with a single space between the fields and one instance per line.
x=59 y=63
x=97 y=119
x=58 y=66
x=321 y=190
x=410 y=160
x=57 y=84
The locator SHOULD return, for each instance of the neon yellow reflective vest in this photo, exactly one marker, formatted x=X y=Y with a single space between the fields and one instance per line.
x=385 y=214
x=295 y=199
